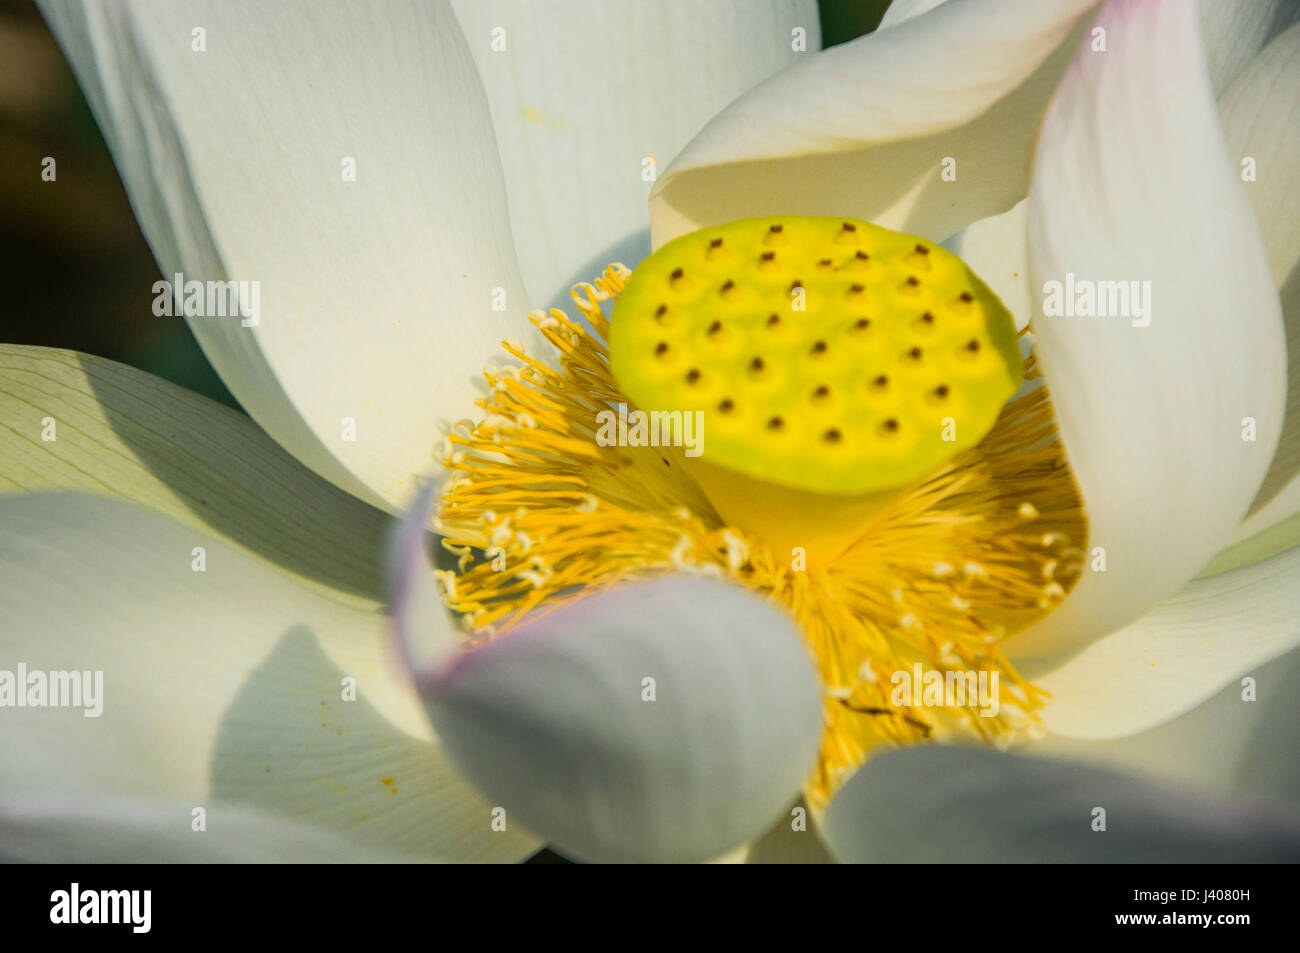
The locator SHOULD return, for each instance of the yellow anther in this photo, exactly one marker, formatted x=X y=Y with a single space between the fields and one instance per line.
x=941 y=570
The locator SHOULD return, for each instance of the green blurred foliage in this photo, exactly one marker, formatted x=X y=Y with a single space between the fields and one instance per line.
x=843 y=20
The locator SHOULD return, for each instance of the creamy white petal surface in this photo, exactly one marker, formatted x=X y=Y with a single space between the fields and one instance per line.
x=228 y=684
x=864 y=128
x=58 y=829
x=668 y=720
x=76 y=422
x=592 y=98
x=997 y=249
x=1133 y=184
x=1234 y=30
x=1229 y=744
x=959 y=805
x=375 y=298
x=1261 y=111
x=1258 y=111
x=1176 y=656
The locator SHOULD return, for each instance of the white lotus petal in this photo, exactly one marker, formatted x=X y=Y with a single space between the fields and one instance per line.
x=1236 y=30
x=586 y=91
x=1260 y=110
x=221 y=685
x=58 y=829
x=1133 y=183
x=668 y=720
x=421 y=620
x=375 y=297
x=1265 y=767
x=1233 y=32
x=1235 y=743
x=997 y=249
x=863 y=128
x=958 y=805
x=1177 y=655
x=71 y=421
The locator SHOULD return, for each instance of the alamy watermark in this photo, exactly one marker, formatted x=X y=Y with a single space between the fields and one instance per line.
x=208 y=299
x=56 y=689
x=1084 y=298
x=656 y=428
x=951 y=689
x=129 y=907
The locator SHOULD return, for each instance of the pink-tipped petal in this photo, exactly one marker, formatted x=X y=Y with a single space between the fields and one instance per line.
x=426 y=638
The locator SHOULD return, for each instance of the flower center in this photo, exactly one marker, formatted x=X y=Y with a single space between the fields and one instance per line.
x=920 y=562
x=831 y=360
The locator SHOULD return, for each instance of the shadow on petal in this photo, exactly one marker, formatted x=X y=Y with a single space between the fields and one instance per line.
x=961 y=805
x=291 y=743
x=785 y=843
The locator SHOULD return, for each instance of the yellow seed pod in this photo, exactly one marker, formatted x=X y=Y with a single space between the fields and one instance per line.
x=827 y=354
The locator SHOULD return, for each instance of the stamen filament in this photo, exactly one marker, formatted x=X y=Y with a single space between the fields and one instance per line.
x=945 y=572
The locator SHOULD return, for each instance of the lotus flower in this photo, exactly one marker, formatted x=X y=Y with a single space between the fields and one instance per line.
x=635 y=667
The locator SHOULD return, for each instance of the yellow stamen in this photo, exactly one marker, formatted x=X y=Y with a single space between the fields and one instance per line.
x=948 y=568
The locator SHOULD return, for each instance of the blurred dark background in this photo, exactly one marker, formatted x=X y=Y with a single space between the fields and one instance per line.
x=72 y=258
